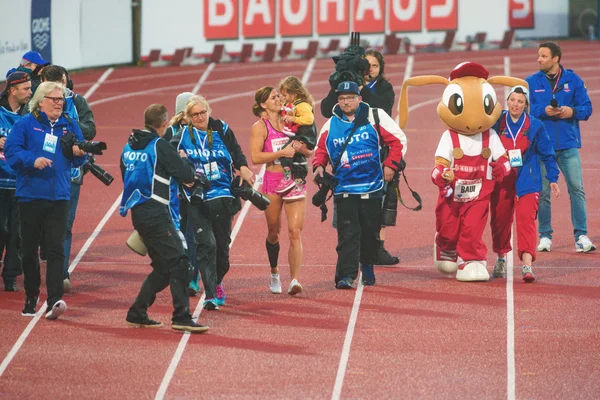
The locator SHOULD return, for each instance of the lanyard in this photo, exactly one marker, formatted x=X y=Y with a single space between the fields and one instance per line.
x=372 y=84
x=557 y=79
x=514 y=137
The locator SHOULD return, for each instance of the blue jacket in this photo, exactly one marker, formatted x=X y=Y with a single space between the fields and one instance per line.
x=26 y=143
x=7 y=174
x=571 y=92
x=529 y=176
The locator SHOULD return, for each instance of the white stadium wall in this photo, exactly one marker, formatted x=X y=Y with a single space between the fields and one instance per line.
x=87 y=33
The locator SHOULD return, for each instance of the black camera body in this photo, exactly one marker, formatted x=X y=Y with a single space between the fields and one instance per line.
x=201 y=185
x=326 y=184
x=97 y=171
x=246 y=192
x=351 y=65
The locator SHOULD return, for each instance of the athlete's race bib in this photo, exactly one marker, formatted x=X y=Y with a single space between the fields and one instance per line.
x=277 y=144
x=467 y=190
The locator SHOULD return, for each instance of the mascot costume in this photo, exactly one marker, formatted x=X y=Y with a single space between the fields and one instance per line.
x=469 y=158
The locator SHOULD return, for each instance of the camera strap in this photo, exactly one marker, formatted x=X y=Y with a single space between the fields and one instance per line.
x=402 y=168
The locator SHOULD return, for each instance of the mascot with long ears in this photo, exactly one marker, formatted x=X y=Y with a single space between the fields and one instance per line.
x=469 y=158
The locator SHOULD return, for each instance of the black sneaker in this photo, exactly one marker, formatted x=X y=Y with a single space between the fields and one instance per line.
x=11 y=286
x=143 y=322
x=385 y=258
x=368 y=275
x=189 y=326
x=30 y=304
x=345 y=283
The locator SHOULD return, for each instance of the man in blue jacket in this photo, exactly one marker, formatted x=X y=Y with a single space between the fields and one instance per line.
x=12 y=105
x=559 y=98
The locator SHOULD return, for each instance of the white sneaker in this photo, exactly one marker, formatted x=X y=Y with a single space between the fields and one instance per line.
x=584 y=244
x=545 y=244
x=294 y=288
x=275 y=285
x=57 y=310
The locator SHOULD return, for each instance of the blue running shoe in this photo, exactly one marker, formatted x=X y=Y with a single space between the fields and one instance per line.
x=221 y=297
x=368 y=275
x=211 y=304
x=345 y=283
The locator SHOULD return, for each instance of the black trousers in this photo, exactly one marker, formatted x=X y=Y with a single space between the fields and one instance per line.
x=10 y=235
x=212 y=227
x=170 y=265
x=358 y=234
x=52 y=217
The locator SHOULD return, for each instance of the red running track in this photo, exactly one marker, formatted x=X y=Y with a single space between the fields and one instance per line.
x=417 y=334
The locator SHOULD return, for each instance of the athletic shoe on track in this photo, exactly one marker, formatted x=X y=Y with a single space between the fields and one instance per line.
x=30 y=304
x=499 y=268
x=189 y=326
x=545 y=244
x=528 y=275
x=294 y=288
x=368 y=275
x=344 y=283
x=584 y=245
x=275 y=286
x=211 y=304
x=221 y=297
x=142 y=322
x=57 y=310
x=385 y=258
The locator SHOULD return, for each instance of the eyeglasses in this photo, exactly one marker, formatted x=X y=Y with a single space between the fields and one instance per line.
x=345 y=99
x=55 y=100
x=202 y=113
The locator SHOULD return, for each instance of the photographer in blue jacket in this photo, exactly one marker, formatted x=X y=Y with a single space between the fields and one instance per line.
x=560 y=100
x=38 y=150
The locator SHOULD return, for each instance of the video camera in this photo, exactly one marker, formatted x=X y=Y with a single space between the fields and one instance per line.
x=351 y=65
x=246 y=192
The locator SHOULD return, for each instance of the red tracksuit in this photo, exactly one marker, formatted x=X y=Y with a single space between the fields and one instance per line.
x=504 y=201
x=460 y=224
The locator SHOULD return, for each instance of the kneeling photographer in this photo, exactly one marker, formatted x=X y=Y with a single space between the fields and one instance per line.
x=211 y=203
x=351 y=142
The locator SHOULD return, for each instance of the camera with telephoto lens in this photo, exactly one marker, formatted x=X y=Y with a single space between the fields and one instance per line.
x=246 y=192
x=389 y=209
x=351 y=65
x=326 y=184
x=96 y=170
x=201 y=185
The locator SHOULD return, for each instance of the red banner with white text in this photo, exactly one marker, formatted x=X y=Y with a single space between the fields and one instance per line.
x=520 y=14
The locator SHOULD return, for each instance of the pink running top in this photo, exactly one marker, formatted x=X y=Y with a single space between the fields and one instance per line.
x=275 y=140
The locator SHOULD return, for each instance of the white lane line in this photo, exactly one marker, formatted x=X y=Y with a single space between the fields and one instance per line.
x=510 y=305
x=203 y=78
x=309 y=68
x=410 y=61
x=13 y=351
x=98 y=83
x=339 y=379
x=164 y=385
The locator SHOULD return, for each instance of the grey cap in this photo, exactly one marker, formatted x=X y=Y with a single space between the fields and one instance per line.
x=182 y=99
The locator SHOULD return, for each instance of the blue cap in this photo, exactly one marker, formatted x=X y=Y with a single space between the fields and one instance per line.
x=35 y=57
x=10 y=71
x=348 y=87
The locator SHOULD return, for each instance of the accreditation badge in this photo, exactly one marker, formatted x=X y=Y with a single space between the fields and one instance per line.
x=516 y=160
x=50 y=143
x=211 y=170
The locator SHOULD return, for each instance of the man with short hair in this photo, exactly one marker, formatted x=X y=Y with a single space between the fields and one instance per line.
x=148 y=164
x=351 y=143
x=13 y=99
x=559 y=98
x=78 y=109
